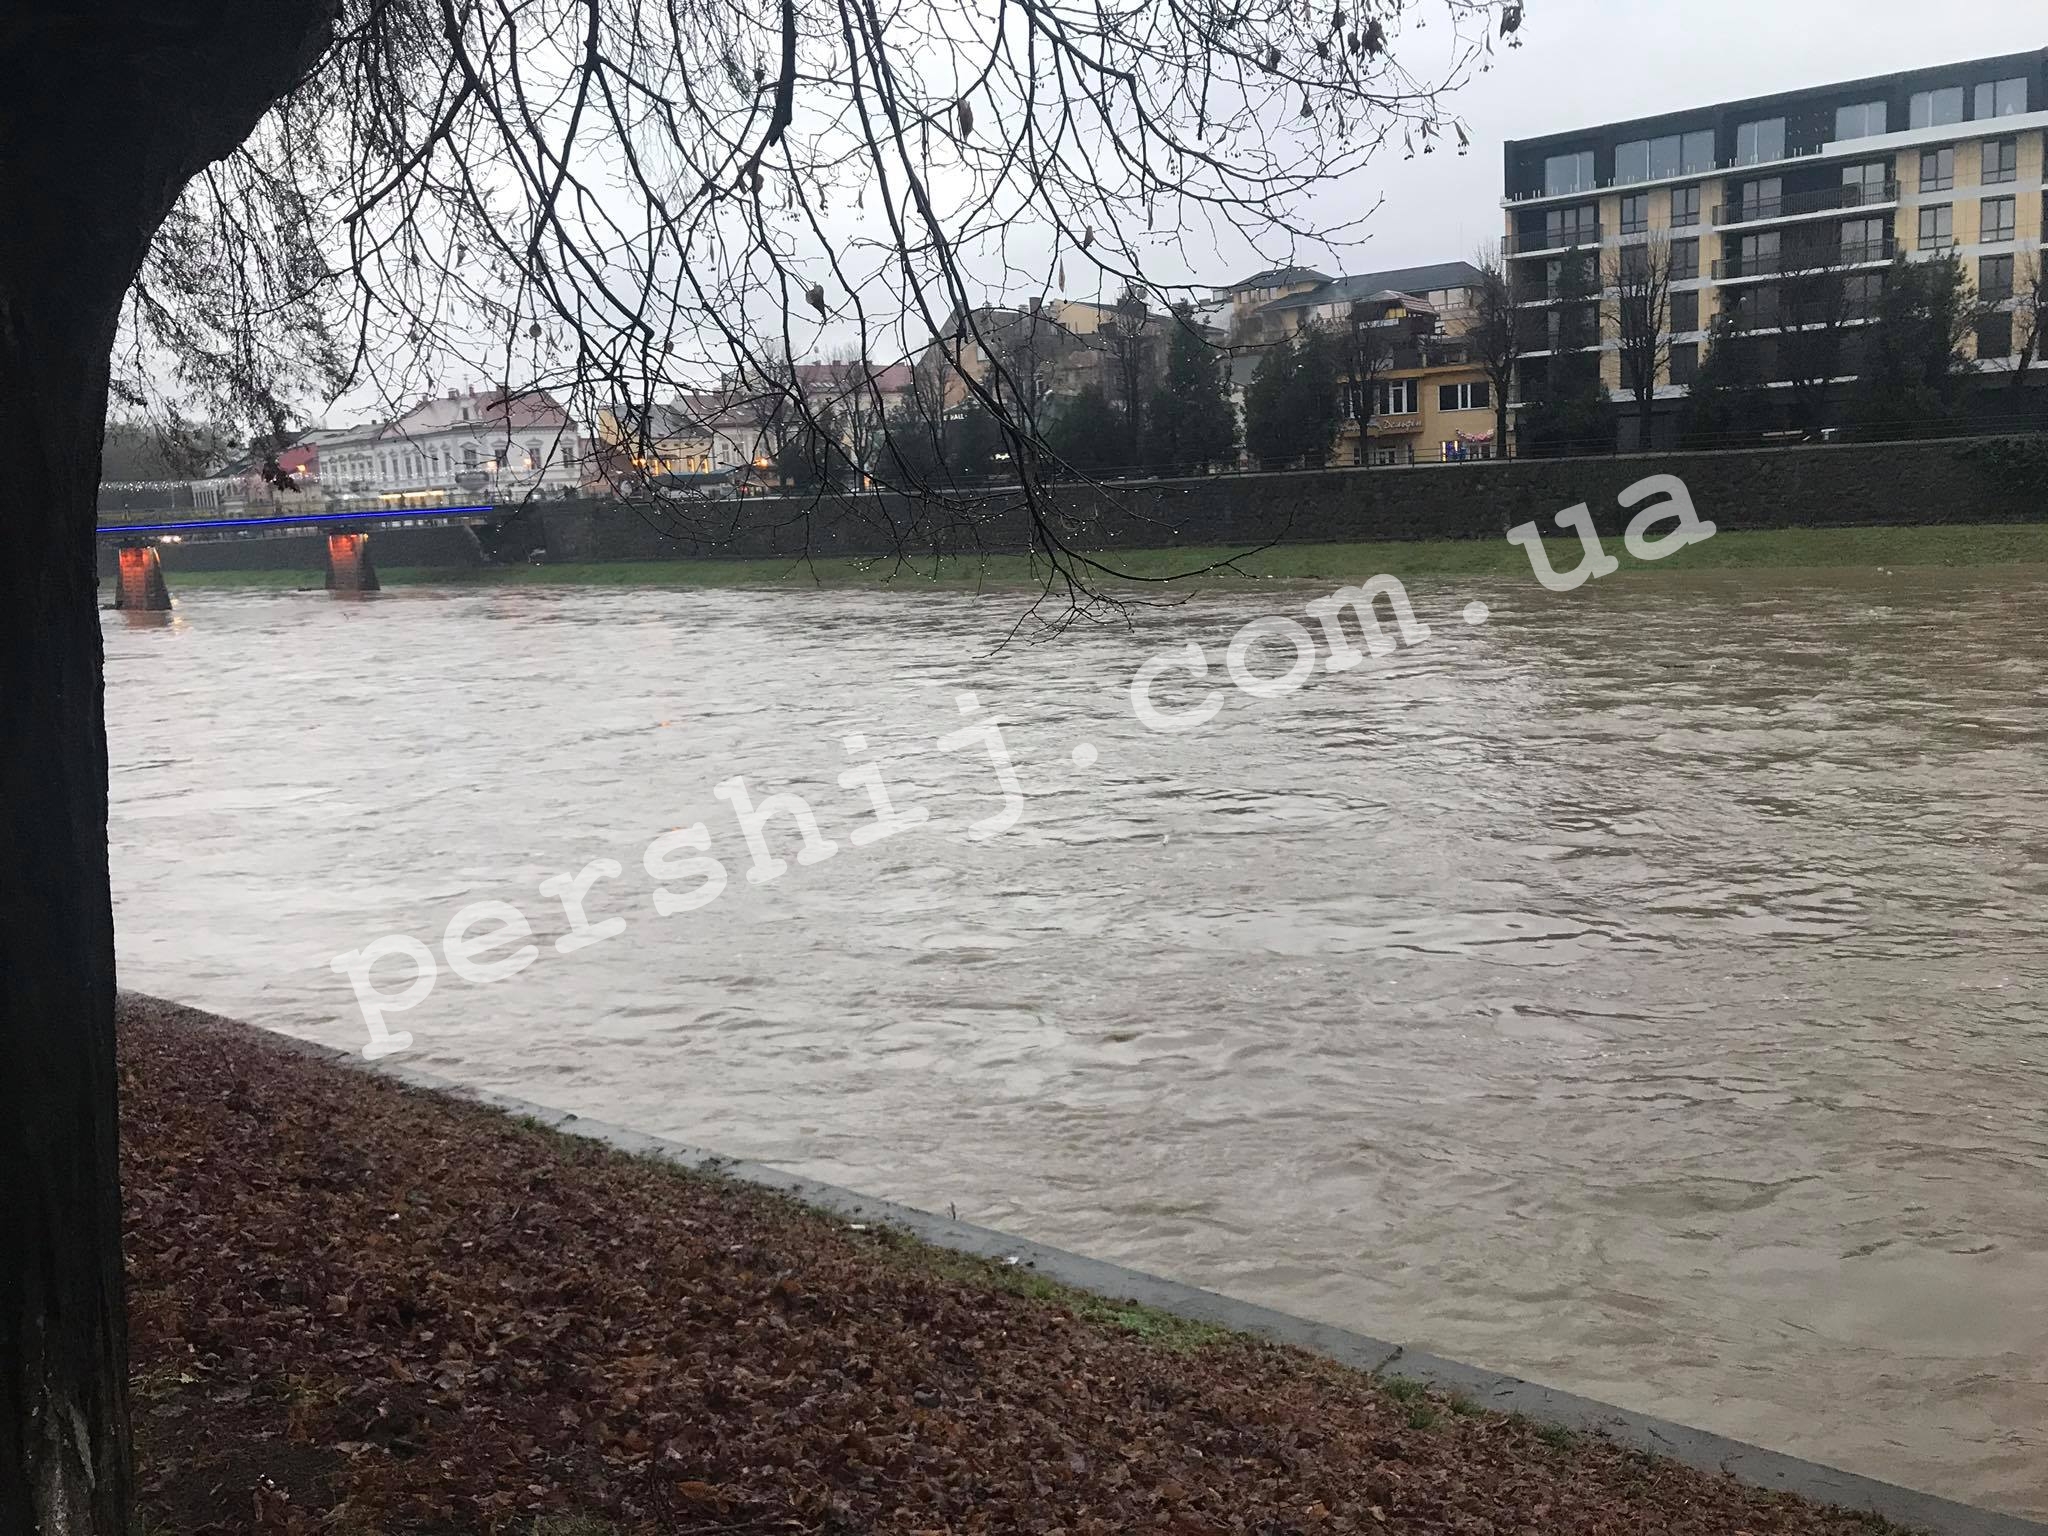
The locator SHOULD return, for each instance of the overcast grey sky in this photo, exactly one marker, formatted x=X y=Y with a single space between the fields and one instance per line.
x=1582 y=62
x=1594 y=61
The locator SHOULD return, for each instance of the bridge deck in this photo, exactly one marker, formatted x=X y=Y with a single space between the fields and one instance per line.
x=221 y=527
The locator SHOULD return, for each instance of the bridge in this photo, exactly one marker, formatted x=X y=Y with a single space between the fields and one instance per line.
x=139 y=576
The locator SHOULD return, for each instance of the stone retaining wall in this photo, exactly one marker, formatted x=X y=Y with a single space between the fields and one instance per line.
x=1972 y=480
x=1967 y=481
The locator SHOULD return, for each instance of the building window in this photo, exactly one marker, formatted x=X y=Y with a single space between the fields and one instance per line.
x=1568 y=173
x=1686 y=154
x=1759 y=143
x=1937 y=169
x=1685 y=207
x=1384 y=458
x=1464 y=397
x=2002 y=98
x=1751 y=309
x=1764 y=199
x=1759 y=253
x=1685 y=362
x=1865 y=183
x=1860 y=293
x=1635 y=214
x=1994 y=335
x=1397 y=397
x=1685 y=260
x=1685 y=311
x=1994 y=278
x=1864 y=120
x=1571 y=226
x=1931 y=109
x=1937 y=228
x=1863 y=240
x=2001 y=161
x=469 y=458
x=2001 y=220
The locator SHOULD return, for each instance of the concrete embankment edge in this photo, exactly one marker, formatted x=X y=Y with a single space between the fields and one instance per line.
x=1749 y=1464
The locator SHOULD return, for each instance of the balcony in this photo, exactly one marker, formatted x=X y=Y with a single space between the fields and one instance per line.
x=1815 y=258
x=1793 y=319
x=1798 y=204
x=1577 y=237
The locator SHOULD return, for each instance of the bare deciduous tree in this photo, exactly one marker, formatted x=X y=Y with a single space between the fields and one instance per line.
x=1126 y=334
x=1368 y=354
x=1495 y=336
x=2030 y=314
x=614 y=201
x=1819 y=305
x=1637 y=297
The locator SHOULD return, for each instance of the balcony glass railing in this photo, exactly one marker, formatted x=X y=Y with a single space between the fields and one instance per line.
x=1794 y=204
x=1817 y=258
x=1797 y=319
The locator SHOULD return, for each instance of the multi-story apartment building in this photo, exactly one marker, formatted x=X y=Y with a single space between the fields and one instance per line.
x=1747 y=196
x=1429 y=400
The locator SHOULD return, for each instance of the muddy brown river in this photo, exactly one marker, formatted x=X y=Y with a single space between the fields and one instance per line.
x=1642 y=991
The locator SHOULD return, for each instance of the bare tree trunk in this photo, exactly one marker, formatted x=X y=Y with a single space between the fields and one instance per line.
x=106 y=110
x=63 y=1405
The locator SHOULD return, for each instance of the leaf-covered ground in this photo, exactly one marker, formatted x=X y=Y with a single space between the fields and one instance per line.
x=358 y=1308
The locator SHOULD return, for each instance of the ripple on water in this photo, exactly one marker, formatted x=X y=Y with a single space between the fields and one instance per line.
x=1643 y=993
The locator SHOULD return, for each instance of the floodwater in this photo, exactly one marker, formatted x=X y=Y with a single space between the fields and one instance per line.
x=1643 y=992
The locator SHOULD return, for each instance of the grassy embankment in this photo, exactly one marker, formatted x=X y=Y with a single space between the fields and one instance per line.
x=1777 y=549
x=359 y=1310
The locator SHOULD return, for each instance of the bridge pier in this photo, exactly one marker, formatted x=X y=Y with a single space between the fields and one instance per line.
x=139 y=579
x=348 y=564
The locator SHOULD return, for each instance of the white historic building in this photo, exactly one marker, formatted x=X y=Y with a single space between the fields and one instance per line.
x=480 y=444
